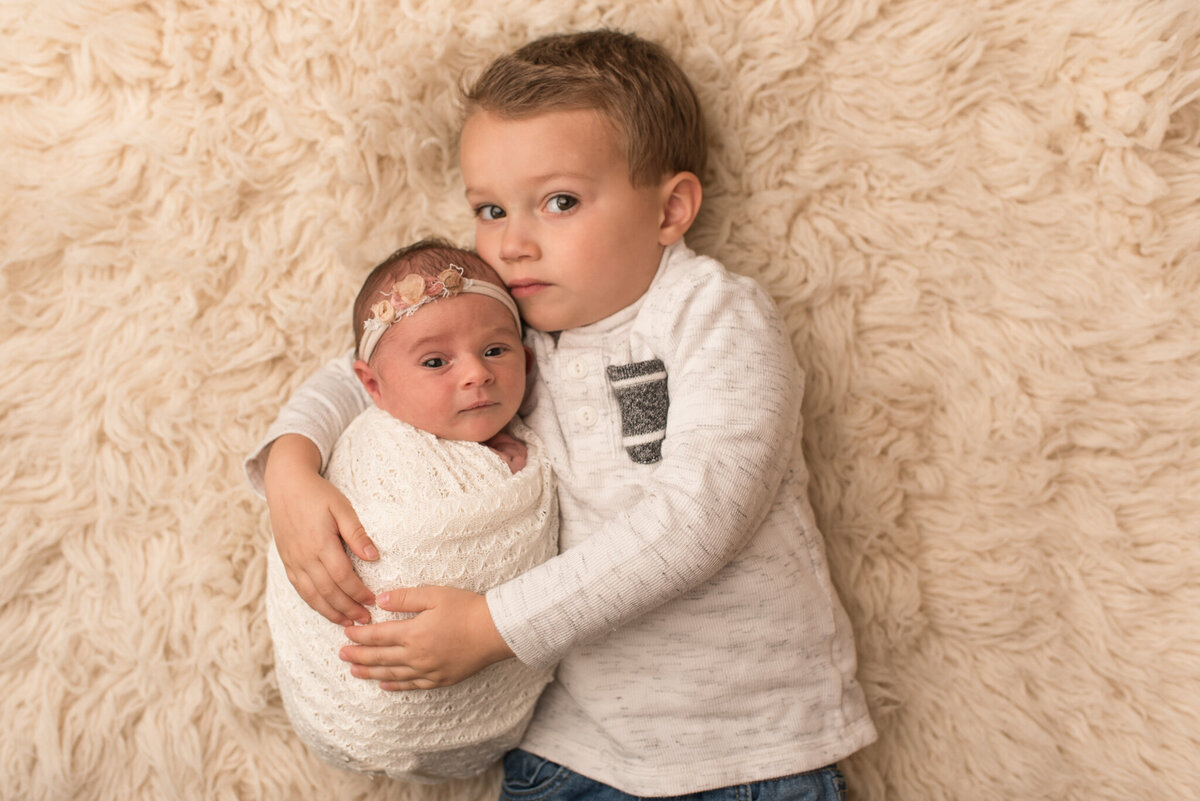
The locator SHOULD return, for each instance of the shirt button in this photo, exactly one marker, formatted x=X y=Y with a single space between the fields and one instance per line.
x=576 y=368
x=586 y=416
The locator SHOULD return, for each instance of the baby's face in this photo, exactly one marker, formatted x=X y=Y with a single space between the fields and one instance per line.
x=455 y=368
x=557 y=215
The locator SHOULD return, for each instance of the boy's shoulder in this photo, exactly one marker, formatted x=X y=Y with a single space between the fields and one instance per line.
x=690 y=285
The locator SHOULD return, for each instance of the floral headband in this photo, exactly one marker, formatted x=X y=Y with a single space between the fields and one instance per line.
x=413 y=292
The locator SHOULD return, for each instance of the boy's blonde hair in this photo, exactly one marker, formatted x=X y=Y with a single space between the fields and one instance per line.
x=428 y=258
x=632 y=82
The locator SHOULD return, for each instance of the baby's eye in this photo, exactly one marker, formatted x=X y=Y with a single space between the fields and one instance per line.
x=434 y=363
x=560 y=204
x=489 y=211
x=495 y=350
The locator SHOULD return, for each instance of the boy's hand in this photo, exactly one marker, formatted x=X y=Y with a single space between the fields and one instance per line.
x=451 y=638
x=310 y=519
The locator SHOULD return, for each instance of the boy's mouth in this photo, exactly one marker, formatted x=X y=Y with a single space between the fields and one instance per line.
x=525 y=287
x=483 y=404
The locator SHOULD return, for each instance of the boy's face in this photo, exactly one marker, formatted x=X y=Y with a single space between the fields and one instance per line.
x=456 y=368
x=557 y=215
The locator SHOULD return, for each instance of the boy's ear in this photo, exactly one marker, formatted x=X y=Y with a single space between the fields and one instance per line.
x=681 y=197
x=369 y=378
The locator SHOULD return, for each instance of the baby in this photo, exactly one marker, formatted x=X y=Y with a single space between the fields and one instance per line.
x=453 y=489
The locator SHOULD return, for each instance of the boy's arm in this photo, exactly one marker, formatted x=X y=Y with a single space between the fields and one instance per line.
x=735 y=391
x=319 y=409
x=310 y=518
x=451 y=638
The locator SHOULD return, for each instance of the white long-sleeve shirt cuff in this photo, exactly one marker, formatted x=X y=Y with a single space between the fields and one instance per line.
x=320 y=409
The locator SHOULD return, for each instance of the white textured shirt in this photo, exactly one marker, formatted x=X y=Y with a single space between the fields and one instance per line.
x=700 y=641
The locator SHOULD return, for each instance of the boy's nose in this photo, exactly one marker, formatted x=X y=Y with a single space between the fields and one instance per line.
x=516 y=242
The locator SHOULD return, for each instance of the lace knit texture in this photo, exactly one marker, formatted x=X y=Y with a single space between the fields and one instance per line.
x=441 y=513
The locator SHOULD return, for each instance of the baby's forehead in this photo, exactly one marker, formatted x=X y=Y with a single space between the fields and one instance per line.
x=462 y=317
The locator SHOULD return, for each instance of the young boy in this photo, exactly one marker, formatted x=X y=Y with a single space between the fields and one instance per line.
x=702 y=645
x=449 y=495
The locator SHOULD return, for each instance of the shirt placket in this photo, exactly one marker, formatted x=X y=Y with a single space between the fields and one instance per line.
x=584 y=406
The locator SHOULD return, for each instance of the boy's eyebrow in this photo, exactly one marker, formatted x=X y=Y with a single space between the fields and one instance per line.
x=557 y=175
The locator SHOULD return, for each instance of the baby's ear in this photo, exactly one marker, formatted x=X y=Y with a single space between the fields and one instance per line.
x=369 y=378
x=681 y=197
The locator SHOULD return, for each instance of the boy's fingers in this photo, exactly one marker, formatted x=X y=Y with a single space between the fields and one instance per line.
x=353 y=533
x=345 y=580
x=360 y=543
x=388 y=644
x=406 y=599
x=382 y=665
x=308 y=591
x=395 y=677
x=416 y=684
x=328 y=592
x=328 y=611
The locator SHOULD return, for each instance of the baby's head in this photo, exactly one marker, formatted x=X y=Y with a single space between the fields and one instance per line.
x=581 y=154
x=439 y=342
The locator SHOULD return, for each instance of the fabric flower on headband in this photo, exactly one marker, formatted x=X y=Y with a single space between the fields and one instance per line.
x=411 y=293
x=414 y=291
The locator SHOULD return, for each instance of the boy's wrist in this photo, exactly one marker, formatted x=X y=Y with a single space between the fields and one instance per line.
x=495 y=647
x=290 y=455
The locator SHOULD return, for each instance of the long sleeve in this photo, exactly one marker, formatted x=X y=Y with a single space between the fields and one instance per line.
x=700 y=640
x=319 y=409
x=734 y=394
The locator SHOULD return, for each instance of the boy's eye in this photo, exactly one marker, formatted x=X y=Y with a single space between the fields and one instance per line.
x=495 y=350
x=489 y=211
x=561 y=203
x=434 y=363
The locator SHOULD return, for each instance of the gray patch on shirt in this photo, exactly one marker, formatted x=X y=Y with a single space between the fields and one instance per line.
x=641 y=390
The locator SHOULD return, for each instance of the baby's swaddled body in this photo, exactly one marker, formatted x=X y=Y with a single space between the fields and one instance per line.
x=444 y=513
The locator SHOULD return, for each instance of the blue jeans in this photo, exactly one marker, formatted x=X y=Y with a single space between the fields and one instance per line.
x=531 y=778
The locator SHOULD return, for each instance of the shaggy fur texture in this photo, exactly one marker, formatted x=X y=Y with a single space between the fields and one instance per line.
x=982 y=220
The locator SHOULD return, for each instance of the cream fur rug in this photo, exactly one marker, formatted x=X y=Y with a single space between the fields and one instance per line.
x=981 y=218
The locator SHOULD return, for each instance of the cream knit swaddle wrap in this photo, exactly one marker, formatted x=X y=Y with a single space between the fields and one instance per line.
x=442 y=513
